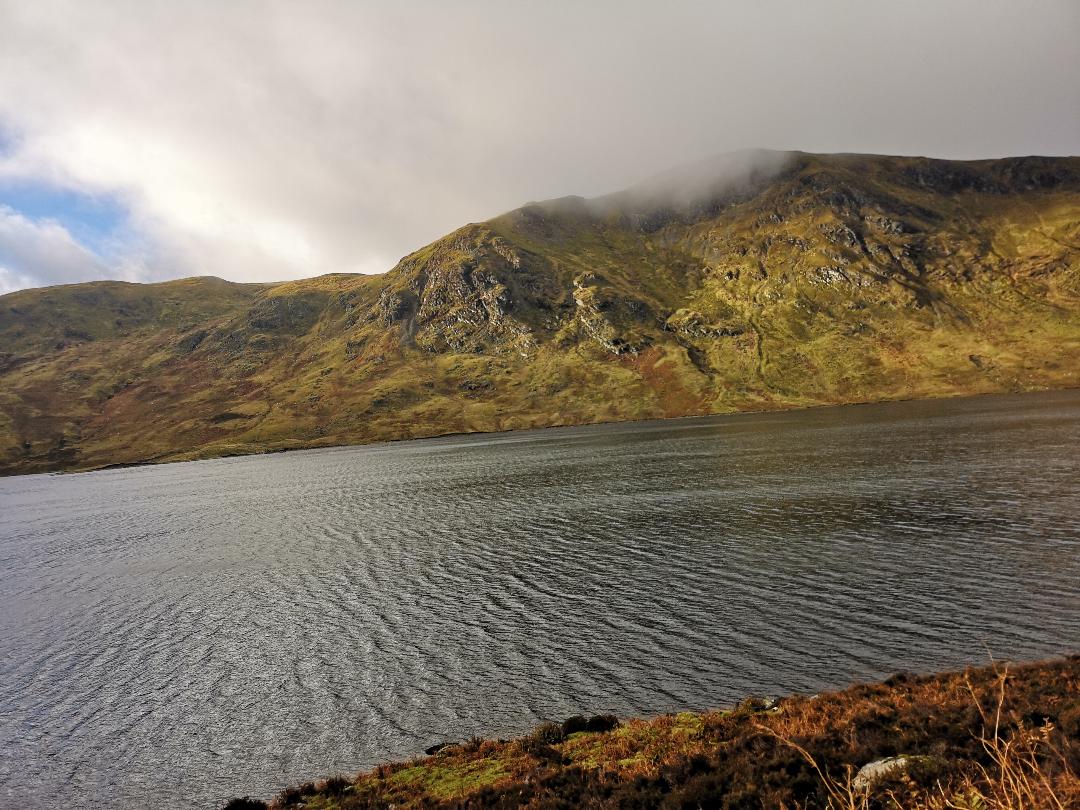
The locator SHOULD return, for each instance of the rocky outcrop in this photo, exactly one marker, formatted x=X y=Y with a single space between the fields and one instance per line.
x=612 y=320
x=395 y=306
x=694 y=324
x=460 y=296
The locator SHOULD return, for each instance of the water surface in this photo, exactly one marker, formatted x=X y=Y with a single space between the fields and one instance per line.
x=185 y=633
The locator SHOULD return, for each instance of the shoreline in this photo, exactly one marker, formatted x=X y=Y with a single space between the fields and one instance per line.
x=909 y=732
x=517 y=431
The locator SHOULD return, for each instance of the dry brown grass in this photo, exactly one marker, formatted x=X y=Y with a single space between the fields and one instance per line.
x=985 y=739
x=1027 y=769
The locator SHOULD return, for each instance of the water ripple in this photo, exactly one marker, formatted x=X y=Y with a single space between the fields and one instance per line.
x=186 y=633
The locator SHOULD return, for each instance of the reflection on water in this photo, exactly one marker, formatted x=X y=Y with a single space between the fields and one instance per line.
x=190 y=632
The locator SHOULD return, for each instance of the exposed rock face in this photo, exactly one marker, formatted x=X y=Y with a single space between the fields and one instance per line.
x=790 y=280
x=608 y=318
x=694 y=324
x=395 y=307
x=459 y=296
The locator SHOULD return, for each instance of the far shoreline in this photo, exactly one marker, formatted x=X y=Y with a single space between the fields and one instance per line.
x=255 y=452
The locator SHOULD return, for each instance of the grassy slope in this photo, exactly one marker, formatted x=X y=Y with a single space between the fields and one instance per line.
x=747 y=757
x=839 y=279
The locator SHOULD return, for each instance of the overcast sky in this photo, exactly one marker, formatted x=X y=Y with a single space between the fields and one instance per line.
x=263 y=140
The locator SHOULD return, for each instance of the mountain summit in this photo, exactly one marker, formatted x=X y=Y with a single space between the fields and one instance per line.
x=757 y=280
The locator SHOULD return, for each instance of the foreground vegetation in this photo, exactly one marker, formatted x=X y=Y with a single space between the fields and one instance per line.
x=789 y=280
x=997 y=738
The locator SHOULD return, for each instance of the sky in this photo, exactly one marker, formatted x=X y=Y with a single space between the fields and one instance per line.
x=256 y=141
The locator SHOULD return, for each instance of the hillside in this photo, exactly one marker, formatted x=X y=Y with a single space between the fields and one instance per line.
x=997 y=737
x=754 y=281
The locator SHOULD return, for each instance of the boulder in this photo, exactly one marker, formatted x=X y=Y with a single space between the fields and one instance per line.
x=879 y=770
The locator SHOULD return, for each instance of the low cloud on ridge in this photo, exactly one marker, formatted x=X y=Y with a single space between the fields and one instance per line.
x=267 y=140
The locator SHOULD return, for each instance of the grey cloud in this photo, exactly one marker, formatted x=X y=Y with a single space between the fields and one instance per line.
x=259 y=140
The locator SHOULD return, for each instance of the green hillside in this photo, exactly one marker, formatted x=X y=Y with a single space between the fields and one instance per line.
x=755 y=281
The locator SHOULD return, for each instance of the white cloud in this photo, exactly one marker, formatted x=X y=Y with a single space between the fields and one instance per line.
x=36 y=254
x=261 y=140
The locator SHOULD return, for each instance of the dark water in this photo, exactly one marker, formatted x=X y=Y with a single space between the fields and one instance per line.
x=190 y=632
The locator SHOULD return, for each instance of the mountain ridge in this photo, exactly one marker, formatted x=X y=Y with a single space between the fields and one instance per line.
x=793 y=279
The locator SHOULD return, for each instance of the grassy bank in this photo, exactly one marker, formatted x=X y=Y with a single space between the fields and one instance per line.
x=995 y=737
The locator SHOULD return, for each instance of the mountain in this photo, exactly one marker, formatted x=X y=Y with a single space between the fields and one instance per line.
x=752 y=281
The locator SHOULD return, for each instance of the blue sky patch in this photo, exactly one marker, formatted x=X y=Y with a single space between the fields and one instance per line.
x=93 y=220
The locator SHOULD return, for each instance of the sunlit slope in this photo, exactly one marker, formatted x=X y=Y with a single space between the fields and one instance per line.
x=791 y=280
